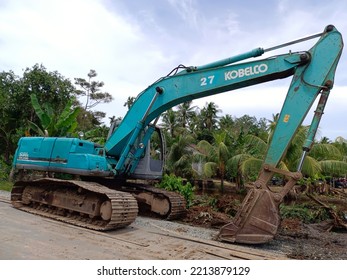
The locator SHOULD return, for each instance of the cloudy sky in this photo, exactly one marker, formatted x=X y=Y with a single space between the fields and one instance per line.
x=131 y=43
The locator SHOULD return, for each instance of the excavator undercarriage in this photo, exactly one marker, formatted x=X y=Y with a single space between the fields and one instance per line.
x=151 y=200
x=85 y=204
x=93 y=205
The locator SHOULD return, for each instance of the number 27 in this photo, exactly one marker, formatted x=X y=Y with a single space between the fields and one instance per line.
x=206 y=80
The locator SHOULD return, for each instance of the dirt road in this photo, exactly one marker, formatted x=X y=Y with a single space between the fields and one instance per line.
x=25 y=236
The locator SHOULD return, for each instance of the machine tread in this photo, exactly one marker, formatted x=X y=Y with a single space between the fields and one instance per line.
x=124 y=206
x=177 y=202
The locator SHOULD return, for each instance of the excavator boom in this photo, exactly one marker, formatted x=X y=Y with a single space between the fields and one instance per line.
x=312 y=71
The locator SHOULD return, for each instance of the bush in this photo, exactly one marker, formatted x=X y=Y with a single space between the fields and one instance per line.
x=4 y=170
x=176 y=184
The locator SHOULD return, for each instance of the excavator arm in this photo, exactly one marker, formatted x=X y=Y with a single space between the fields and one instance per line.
x=258 y=219
x=313 y=74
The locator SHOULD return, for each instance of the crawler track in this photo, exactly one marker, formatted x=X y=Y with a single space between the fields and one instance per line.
x=166 y=204
x=155 y=201
x=101 y=208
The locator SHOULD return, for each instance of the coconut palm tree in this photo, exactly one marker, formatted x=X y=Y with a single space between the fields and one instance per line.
x=170 y=122
x=130 y=101
x=209 y=115
x=248 y=161
x=331 y=159
x=226 y=122
x=215 y=155
x=180 y=157
x=185 y=113
x=323 y=159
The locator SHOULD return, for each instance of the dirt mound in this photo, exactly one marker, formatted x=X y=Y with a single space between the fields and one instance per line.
x=213 y=210
x=205 y=216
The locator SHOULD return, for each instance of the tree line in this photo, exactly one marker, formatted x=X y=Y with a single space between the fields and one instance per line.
x=202 y=143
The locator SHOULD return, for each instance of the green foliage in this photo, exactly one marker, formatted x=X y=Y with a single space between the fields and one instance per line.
x=325 y=151
x=212 y=201
x=305 y=212
x=51 y=123
x=334 y=168
x=176 y=184
x=16 y=110
x=180 y=157
x=49 y=87
x=130 y=101
x=4 y=170
x=97 y=135
x=215 y=155
x=6 y=185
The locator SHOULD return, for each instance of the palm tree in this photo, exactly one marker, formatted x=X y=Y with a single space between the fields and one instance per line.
x=325 y=140
x=209 y=115
x=323 y=159
x=185 y=113
x=194 y=123
x=130 y=101
x=331 y=160
x=226 y=122
x=248 y=161
x=170 y=121
x=216 y=156
x=272 y=125
x=341 y=144
x=180 y=157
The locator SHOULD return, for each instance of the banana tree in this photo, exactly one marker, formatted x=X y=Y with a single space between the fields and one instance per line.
x=51 y=122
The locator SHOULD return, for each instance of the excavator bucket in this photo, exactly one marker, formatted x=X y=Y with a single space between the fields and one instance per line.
x=256 y=222
x=258 y=219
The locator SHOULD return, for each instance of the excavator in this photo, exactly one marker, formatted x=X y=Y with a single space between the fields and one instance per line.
x=108 y=185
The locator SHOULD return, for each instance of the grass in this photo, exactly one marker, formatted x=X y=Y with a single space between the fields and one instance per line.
x=6 y=185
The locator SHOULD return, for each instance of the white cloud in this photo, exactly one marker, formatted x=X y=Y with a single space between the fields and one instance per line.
x=130 y=49
x=73 y=37
x=187 y=10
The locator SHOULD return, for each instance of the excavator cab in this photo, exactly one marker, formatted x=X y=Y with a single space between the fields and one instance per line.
x=151 y=163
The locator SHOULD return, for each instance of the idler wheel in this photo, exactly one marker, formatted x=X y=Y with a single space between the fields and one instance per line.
x=106 y=210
